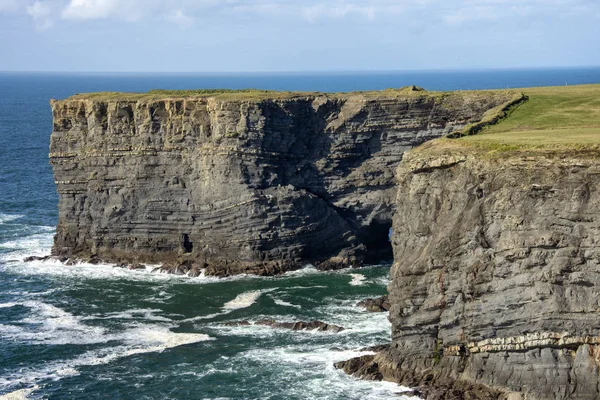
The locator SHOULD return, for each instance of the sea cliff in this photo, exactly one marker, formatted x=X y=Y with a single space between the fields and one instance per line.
x=241 y=182
x=496 y=276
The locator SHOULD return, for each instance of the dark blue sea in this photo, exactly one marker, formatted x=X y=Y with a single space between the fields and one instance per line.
x=99 y=332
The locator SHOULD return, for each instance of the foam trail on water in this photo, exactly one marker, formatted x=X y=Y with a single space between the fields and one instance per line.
x=4 y=218
x=324 y=378
x=22 y=394
x=146 y=314
x=48 y=324
x=243 y=300
x=357 y=279
x=140 y=339
x=280 y=302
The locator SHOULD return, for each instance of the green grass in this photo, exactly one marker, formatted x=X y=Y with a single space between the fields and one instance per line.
x=553 y=118
x=260 y=95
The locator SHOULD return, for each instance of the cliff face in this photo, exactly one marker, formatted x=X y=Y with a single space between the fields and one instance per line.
x=496 y=280
x=235 y=186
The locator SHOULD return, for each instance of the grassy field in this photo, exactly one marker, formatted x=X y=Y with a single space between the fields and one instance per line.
x=258 y=95
x=565 y=117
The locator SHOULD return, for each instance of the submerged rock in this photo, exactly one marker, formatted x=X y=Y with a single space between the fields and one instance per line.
x=319 y=326
x=37 y=258
x=380 y=304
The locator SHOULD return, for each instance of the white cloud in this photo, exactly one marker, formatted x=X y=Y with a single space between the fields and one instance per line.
x=180 y=18
x=338 y=11
x=90 y=9
x=41 y=12
x=185 y=13
x=465 y=11
x=8 y=6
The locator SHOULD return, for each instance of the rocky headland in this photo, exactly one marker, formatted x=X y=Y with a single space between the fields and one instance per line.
x=496 y=236
x=496 y=276
x=241 y=182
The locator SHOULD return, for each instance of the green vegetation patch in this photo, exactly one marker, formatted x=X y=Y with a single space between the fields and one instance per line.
x=552 y=119
x=261 y=95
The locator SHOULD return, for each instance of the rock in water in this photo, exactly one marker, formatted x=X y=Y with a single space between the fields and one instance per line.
x=240 y=183
x=380 y=304
x=496 y=282
x=319 y=326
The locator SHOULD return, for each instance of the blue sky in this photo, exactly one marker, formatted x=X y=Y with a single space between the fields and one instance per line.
x=296 y=35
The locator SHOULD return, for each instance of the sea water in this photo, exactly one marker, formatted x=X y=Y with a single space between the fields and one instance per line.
x=99 y=332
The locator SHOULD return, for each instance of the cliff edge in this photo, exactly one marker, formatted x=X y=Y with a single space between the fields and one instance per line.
x=496 y=276
x=241 y=182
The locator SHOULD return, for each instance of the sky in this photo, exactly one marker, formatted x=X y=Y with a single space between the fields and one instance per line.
x=296 y=35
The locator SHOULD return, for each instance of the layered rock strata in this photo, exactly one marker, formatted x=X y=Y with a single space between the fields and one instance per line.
x=495 y=287
x=236 y=185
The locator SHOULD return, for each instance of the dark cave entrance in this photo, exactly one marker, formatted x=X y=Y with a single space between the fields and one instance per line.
x=186 y=244
x=377 y=239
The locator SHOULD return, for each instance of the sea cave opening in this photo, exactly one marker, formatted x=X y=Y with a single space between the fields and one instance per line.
x=377 y=239
x=186 y=244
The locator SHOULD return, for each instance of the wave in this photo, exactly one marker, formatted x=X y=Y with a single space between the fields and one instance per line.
x=141 y=340
x=320 y=379
x=357 y=279
x=280 y=302
x=34 y=245
x=145 y=314
x=50 y=325
x=308 y=269
x=22 y=394
x=4 y=218
x=243 y=300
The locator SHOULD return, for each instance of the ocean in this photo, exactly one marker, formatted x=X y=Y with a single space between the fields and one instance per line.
x=98 y=332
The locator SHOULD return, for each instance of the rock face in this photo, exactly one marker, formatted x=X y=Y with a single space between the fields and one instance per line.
x=496 y=280
x=240 y=186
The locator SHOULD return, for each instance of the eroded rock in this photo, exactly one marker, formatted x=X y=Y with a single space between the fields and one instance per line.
x=496 y=280
x=258 y=186
x=319 y=326
x=380 y=304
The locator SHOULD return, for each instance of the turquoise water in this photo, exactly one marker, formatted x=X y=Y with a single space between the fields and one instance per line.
x=100 y=332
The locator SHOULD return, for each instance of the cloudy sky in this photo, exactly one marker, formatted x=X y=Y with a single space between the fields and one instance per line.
x=296 y=35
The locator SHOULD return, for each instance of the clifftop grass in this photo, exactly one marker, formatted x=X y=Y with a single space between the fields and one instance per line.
x=552 y=119
x=259 y=95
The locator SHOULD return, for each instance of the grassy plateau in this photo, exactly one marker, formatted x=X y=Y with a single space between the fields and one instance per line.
x=553 y=118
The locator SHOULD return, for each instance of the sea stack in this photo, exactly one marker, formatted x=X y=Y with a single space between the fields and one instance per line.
x=241 y=181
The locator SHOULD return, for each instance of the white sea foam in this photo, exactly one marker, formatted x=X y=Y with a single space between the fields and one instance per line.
x=280 y=302
x=4 y=218
x=318 y=375
x=304 y=287
x=357 y=279
x=208 y=316
x=22 y=394
x=48 y=324
x=144 y=314
x=136 y=339
x=34 y=245
x=308 y=269
x=243 y=300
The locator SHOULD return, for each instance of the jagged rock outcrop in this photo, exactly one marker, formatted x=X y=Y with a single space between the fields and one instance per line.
x=379 y=304
x=232 y=184
x=496 y=279
x=318 y=326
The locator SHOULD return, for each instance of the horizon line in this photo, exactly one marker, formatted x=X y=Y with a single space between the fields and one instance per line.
x=299 y=72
